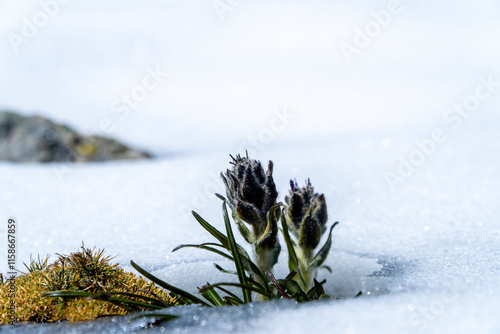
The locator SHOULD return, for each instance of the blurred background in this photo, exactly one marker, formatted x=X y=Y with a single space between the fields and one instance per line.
x=172 y=76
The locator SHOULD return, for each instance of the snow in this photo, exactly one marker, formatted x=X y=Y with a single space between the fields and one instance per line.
x=426 y=256
x=424 y=252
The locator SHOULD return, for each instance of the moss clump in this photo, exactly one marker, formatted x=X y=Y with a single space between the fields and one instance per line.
x=87 y=270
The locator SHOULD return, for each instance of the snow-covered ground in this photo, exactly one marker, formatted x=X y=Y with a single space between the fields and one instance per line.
x=426 y=255
x=402 y=139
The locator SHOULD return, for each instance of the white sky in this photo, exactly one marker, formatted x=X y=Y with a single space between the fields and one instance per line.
x=227 y=76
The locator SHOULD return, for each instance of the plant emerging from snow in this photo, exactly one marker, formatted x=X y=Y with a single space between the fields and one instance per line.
x=251 y=196
x=305 y=215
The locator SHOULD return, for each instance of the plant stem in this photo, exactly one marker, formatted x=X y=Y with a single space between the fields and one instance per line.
x=264 y=261
x=304 y=257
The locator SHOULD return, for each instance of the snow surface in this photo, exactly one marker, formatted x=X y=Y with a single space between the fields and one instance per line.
x=425 y=254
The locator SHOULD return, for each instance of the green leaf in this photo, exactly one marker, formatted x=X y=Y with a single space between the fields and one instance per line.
x=218 y=235
x=219 y=268
x=247 y=263
x=232 y=295
x=249 y=279
x=212 y=296
x=134 y=295
x=257 y=284
x=126 y=302
x=245 y=287
x=232 y=301
x=327 y=268
x=212 y=230
x=277 y=286
x=247 y=296
x=250 y=266
x=293 y=261
x=316 y=291
x=244 y=231
x=167 y=286
x=322 y=254
x=105 y=296
x=294 y=289
x=65 y=294
x=204 y=246
x=291 y=275
x=221 y=197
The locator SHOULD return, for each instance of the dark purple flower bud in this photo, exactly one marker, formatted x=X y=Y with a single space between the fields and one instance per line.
x=306 y=214
x=251 y=192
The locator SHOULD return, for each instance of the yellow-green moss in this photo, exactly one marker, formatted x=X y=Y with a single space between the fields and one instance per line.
x=87 y=270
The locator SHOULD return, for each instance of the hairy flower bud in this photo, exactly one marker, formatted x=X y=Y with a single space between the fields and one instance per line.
x=251 y=192
x=305 y=214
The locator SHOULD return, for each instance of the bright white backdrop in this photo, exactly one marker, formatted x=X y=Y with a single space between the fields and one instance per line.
x=230 y=67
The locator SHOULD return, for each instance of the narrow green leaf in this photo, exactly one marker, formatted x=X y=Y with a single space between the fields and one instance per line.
x=221 y=197
x=212 y=230
x=322 y=254
x=219 y=268
x=106 y=296
x=249 y=279
x=291 y=275
x=294 y=288
x=218 y=235
x=128 y=294
x=247 y=262
x=247 y=296
x=327 y=268
x=211 y=295
x=250 y=266
x=316 y=291
x=244 y=231
x=232 y=295
x=167 y=286
x=126 y=302
x=246 y=287
x=232 y=301
x=66 y=294
x=202 y=246
x=199 y=245
x=257 y=284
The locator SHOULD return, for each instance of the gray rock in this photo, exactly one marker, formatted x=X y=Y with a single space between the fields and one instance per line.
x=37 y=139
